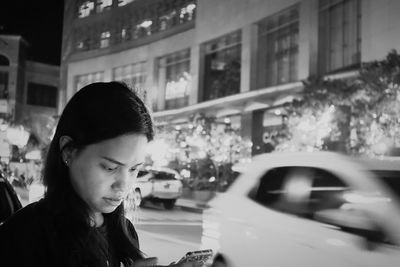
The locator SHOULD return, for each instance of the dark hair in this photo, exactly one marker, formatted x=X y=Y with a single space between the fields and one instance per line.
x=97 y=112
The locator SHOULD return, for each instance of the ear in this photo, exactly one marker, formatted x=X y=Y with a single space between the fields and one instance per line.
x=65 y=150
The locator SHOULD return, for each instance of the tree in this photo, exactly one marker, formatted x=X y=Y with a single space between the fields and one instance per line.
x=357 y=115
x=207 y=146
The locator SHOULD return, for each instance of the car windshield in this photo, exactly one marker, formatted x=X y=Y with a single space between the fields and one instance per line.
x=391 y=178
x=164 y=176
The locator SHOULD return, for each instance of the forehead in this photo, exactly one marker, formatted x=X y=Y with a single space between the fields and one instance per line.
x=124 y=148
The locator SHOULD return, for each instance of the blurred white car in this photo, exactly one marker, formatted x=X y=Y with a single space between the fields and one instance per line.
x=307 y=209
x=156 y=185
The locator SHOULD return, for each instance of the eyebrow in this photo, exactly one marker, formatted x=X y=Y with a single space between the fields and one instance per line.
x=119 y=163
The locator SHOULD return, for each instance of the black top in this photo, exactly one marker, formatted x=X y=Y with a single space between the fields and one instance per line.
x=29 y=238
x=9 y=202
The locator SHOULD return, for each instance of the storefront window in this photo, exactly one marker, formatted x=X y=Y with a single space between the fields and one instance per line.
x=133 y=75
x=339 y=34
x=3 y=84
x=174 y=74
x=85 y=79
x=222 y=66
x=278 y=49
x=272 y=124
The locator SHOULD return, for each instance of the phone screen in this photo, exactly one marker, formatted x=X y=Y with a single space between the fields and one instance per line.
x=201 y=256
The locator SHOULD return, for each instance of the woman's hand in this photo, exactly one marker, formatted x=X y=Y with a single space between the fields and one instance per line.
x=147 y=262
x=186 y=264
x=152 y=262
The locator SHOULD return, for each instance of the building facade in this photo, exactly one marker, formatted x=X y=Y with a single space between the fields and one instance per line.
x=233 y=59
x=28 y=94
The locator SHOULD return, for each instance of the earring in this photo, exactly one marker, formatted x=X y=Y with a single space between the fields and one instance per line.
x=66 y=162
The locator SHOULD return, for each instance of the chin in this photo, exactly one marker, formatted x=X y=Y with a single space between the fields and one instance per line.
x=109 y=209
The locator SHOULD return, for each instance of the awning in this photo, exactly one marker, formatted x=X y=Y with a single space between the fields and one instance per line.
x=233 y=104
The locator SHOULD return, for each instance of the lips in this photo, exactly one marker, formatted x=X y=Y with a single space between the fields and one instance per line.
x=113 y=201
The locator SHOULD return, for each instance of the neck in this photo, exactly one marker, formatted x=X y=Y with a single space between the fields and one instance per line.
x=97 y=219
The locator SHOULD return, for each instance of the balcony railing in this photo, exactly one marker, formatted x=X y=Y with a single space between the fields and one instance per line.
x=133 y=22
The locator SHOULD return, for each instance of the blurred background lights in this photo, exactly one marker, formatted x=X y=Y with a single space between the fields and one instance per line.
x=146 y=23
x=157 y=150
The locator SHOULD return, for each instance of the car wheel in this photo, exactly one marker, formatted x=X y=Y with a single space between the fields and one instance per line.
x=169 y=204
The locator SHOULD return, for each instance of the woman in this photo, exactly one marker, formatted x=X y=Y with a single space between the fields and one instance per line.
x=93 y=160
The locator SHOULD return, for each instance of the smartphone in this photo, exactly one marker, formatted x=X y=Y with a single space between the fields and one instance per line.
x=201 y=256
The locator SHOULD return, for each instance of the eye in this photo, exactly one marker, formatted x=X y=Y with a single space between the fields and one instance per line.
x=133 y=170
x=109 y=168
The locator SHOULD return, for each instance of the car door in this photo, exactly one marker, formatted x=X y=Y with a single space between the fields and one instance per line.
x=252 y=231
x=276 y=225
x=360 y=239
x=305 y=191
x=144 y=183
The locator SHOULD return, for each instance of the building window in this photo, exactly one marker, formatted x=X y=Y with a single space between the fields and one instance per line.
x=4 y=61
x=174 y=76
x=278 y=41
x=339 y=34
x=141 y=20
x=124 y=2
x=133 y=75
x=103 y=5
x=42 y=95
x=85 y=9
x=222 y=66
x=105 y=39
x=3 y=84
x=85 y=79
x=82 y=39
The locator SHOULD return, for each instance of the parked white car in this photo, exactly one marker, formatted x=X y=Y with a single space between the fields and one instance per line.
x=307 y=209
x=157 y=185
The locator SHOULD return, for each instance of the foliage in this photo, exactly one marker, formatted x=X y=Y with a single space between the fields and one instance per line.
x=207 y=147
x=365 y=111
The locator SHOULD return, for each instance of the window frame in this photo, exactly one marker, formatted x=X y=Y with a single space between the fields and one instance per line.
x=348 y=48
x=226 y=49
x=275 y=63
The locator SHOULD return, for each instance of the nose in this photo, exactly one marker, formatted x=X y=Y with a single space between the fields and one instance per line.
x=121 y=181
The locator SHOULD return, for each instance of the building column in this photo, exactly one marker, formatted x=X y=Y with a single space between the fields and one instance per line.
x=194 y=71
x=247 y=74
x=161 y=80
x=151 y=89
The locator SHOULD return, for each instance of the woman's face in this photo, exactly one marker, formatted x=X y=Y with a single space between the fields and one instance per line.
x=103 y=173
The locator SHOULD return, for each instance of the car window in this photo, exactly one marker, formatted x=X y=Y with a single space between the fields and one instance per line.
x=327 y=191
x=300 y=191
x=270 y=190
x=390 y=178
x=164 y=176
